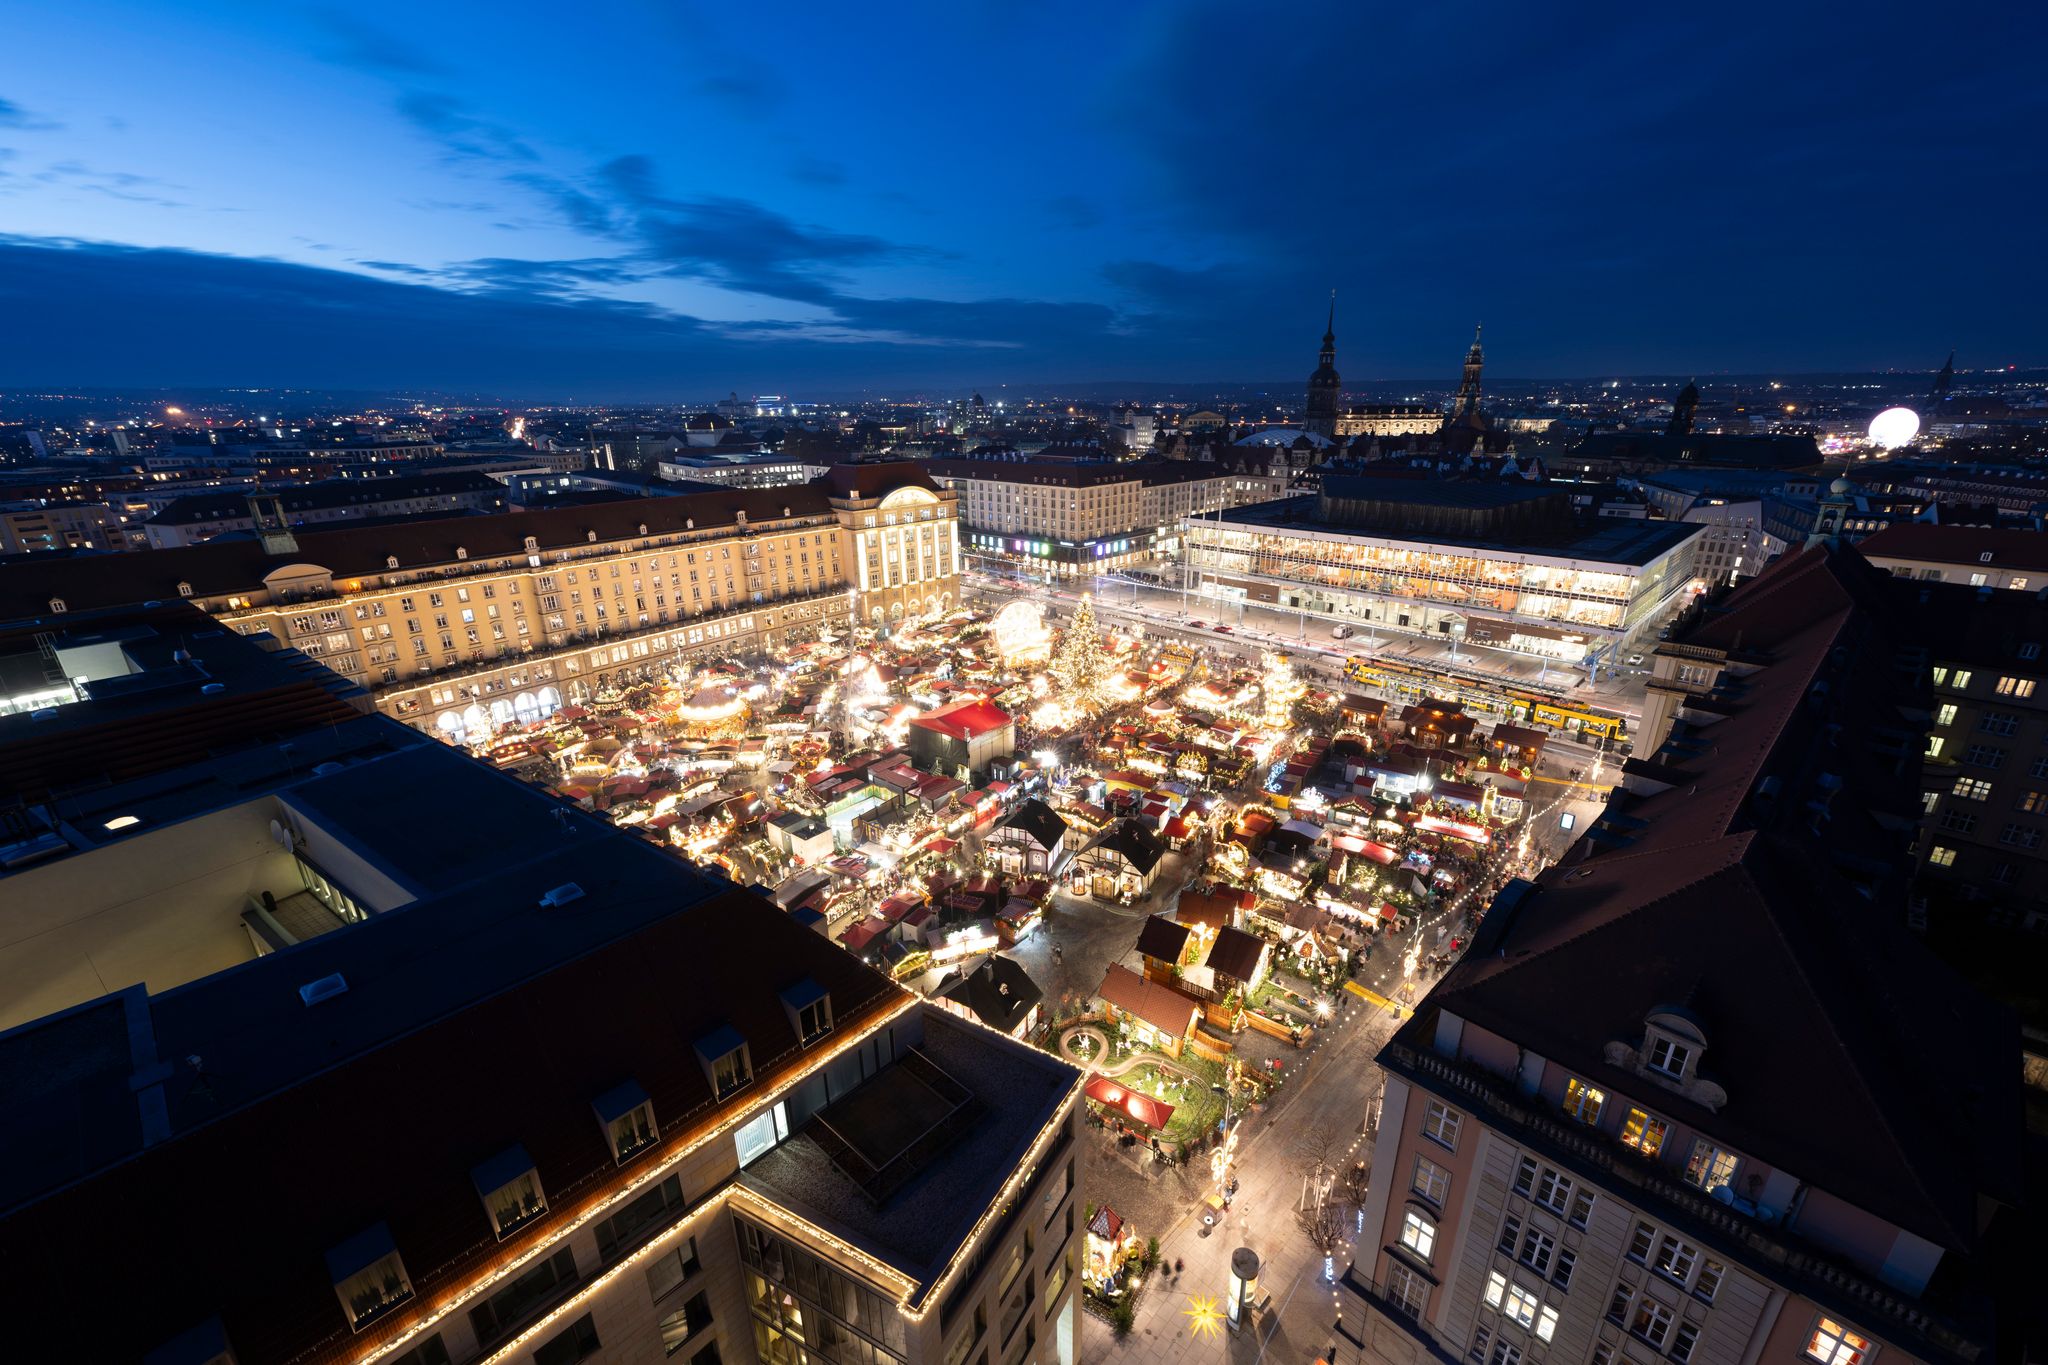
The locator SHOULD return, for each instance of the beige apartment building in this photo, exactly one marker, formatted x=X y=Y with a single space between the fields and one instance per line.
x=459 y=625
x=1673 y=1104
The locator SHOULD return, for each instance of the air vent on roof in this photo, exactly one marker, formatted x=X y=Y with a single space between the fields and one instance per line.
x=326 y=988
x=212 y=689
x=46 y=713
x=561 y=896
x=325 y=769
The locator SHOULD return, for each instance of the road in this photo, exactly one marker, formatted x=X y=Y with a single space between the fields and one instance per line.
x=1328 y=1098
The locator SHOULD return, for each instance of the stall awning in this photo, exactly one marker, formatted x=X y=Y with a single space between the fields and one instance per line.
x=1132 y=1104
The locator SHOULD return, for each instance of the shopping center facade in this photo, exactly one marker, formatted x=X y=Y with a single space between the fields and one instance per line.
x=1531 y=578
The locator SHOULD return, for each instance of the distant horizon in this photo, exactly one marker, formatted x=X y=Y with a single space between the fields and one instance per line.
x=377 y=201
x=1092 y=391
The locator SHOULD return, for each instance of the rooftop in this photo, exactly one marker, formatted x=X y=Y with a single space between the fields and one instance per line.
x=1003 y=1092
x=222 y=567
x=965 y=719
x=198 y=508
x=1618 y=541
x=1713 y=887
x=1986 y=546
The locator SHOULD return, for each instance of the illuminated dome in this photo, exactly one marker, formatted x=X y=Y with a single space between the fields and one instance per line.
x=1894 y=427
x=1021 y=634
x=712 y=703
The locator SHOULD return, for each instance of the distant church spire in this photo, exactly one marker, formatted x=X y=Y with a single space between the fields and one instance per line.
x=1325 y=388
x=1467 y=405
x=1946 y=380
x=1684 y=408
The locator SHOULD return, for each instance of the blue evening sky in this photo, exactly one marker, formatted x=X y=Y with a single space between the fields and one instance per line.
x=612 y=200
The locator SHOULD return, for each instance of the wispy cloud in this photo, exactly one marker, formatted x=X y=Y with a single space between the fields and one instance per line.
x=364 y=47
x=461 y=133
x=12 y=115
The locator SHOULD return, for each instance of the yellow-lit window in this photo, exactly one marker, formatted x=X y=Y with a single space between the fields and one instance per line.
x=1583 y=1102
x=1834 y=1344
x=1643 y=1133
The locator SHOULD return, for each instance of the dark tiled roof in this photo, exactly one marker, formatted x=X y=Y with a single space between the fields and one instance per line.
x=1235 y=953
x=1138 y=844
x=1038 y=820
x=1735 y=900
x=225 y=506
x=864 y=482
x=221 y=1215
x=1959 y=545
x=1163 y=938
x=218 y=568
x=999 y=992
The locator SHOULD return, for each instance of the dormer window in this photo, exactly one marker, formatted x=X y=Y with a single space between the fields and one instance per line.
x=627 y=1116
x=369 y=1278
x=810 y=1010
x=510 y=1188
x=727 y=1064
x=1667 y=1057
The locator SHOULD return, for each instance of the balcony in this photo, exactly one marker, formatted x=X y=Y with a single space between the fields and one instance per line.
x=1767 y=1251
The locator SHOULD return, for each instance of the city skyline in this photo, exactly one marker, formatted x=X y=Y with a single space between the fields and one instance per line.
x=378 y=198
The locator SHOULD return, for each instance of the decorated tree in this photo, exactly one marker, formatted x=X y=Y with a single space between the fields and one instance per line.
x=1080 y=667
x=1281 y=690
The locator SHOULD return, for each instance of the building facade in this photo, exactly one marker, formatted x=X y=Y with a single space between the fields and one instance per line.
x=1389 y=419
x=1583 y=591
x=458 y=626
x=1984 y=842
x=1080 y=517
x=1603 y=1137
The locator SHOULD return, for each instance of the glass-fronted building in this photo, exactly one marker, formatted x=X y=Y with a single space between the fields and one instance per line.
x=1530 y=579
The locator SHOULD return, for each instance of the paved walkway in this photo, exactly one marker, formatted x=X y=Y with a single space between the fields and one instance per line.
x=1329 y=1097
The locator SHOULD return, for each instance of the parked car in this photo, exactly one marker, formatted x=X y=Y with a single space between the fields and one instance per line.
x=1341 y=631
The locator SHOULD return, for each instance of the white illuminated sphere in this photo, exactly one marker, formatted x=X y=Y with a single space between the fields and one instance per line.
x=1894 y=427
x=1021 y=632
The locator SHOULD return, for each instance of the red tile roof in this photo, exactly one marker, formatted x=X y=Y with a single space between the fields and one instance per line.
x=1163 y=1008
x=965 y=719
x=1132 y=1104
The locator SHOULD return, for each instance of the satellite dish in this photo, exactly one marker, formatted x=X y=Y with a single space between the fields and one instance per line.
x=280 y=834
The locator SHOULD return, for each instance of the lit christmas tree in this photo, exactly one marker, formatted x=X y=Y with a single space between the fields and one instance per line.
x=1079 y=666
x=1281 y=690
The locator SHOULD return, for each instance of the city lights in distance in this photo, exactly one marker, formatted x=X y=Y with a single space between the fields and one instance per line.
x=1894 y=427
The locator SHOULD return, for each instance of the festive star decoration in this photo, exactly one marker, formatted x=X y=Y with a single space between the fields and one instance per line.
x=1205 y=1315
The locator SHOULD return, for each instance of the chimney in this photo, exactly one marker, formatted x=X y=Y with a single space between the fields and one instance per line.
x=266 y=510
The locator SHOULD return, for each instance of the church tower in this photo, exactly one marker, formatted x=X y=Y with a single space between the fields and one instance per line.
x=1466 y=409
x=1325 y=389
x=1683 y=409
x=1946 y=380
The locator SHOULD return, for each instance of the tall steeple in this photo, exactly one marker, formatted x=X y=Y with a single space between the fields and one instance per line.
x=1467 y=406
x=1946 y=380
x=1325 y=389
x=1683 y=409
